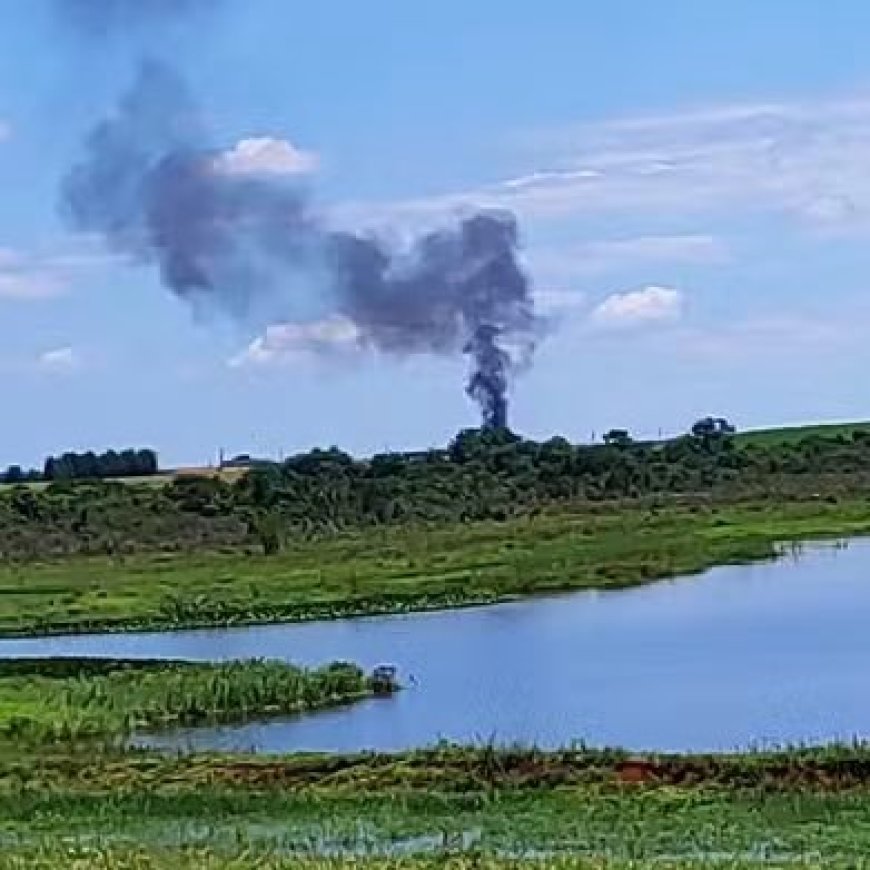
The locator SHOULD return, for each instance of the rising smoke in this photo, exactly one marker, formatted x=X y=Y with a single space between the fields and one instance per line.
x=154 y=187
x=151 y=187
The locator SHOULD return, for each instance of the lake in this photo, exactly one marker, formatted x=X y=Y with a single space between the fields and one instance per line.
x=766 y=654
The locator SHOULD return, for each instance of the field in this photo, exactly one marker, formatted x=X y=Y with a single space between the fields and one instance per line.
x=795 y=434
x=472 y=805
x=97 y=859
x=396 y=569
x=152 y=480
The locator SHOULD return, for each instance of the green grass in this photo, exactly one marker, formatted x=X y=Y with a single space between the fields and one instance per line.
x=408 y=568
x=795 y=434
x=74 y=700
x=741 y=810
x=97 y=858
x=445 y=769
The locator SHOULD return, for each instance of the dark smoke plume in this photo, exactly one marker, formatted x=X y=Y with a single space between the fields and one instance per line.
x=488 y=383
x=153 y=187
x=459 y=289
x=154 y=192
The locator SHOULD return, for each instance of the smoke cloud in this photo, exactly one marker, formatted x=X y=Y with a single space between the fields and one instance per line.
x=254 y=246
x=155 y=192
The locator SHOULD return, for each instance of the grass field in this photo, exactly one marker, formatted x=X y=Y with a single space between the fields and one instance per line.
x=794 y=434
x=229 y=475
x=782 y=809
x=94 y=858
x=407 y=568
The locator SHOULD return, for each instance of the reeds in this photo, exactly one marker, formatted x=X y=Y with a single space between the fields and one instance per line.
x=91 y=704
x=214 y=811
x=98 y=858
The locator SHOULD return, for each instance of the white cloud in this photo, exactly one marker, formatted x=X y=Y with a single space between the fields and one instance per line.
x=287 y=342
x=810 y=160
x=5 y=131
x=681 y=248
x=772 y=335
x=22 y=279
x=84 y=261
x=26 y=287
x=596 y=257
x=61 y=359
x=26 y=276
x=558 y=301
x=266 y=156
x=644 y=306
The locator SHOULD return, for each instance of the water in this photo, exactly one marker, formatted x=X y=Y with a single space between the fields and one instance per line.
x=763 y=654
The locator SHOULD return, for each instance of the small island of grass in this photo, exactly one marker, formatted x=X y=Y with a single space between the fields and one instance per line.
x=50 y=700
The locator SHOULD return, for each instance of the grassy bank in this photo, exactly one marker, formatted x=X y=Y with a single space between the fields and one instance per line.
x=772 y=809
x=108 y=859
x=447 y=769
x=73 y=700
x=408 y=568
x=781 y=435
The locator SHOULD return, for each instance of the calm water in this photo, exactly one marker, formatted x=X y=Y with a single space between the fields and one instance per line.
x=767 y=653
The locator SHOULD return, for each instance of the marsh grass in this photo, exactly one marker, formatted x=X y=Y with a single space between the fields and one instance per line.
x=410 y=568
x=72 y=700
x=795 y=807
x=98 y=858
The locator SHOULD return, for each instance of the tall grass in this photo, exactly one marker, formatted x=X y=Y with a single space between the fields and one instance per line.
x=103 y=858
x=508 y=803
x=409 y=568
x=55 y=703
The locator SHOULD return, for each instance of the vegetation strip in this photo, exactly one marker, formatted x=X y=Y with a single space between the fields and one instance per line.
x=96 y=858
x=741 y=810
x=446 y=768
x=82 y=699
x=403 y=569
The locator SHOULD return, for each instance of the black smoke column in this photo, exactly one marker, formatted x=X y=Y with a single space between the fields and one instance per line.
x=488 y=383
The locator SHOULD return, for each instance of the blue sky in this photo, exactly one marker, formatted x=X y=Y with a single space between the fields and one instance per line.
x=692 y=181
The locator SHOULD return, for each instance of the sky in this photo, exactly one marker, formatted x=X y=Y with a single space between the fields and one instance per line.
x=691 y=181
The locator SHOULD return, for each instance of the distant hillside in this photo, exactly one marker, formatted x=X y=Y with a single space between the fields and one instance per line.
x=489 y=475
x=796 y=434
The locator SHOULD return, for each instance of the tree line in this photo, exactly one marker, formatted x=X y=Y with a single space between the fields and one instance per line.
x=87 y=466
x=488 y=475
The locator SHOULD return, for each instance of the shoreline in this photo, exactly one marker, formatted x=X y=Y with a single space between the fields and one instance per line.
x=700 y=546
